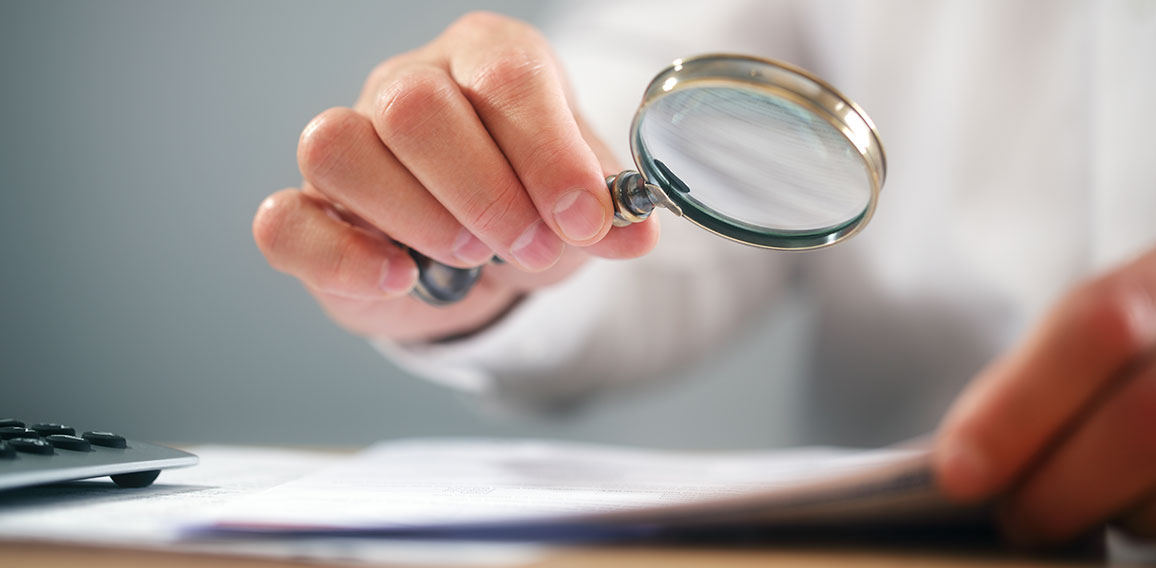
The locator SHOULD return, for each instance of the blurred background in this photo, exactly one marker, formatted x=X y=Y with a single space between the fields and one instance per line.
x=139 y=138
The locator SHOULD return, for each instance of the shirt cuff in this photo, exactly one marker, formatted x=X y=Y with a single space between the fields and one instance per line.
x=526 y=349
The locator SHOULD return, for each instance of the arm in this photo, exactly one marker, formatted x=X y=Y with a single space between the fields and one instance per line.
x=611 y=323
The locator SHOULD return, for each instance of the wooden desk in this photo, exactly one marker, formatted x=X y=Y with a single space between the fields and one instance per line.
x=57 y=556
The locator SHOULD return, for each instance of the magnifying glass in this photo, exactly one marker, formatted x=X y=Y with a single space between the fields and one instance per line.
x=753 y=150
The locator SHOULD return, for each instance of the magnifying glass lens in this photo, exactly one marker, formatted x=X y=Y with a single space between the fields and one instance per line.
x=754 y=160
x=758 y=152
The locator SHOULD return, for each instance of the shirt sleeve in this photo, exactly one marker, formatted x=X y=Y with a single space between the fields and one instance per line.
x=613 y=324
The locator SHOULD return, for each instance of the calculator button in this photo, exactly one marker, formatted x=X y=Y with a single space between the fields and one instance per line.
x=66 y=442
x=31 y=446
x=49 y=428
x=106 y=439
x=6 y=450
x=9 y=432
x=6 y=422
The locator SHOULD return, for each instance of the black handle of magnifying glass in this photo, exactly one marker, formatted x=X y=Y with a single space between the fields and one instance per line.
x=441 y=285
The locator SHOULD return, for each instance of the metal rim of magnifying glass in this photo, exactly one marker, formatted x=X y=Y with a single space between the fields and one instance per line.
x=786 y=82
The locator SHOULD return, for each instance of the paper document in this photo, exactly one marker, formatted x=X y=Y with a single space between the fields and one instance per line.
x=446 y=485
x=98 y=513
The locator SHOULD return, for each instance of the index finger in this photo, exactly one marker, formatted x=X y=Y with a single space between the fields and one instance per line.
x=508 y=73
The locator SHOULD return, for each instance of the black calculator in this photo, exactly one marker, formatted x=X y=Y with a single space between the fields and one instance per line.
x=35 y=454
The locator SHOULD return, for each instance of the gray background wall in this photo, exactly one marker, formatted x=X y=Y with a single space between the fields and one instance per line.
x=138 y=139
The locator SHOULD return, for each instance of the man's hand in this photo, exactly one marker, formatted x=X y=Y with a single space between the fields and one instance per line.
x=1062 y=430
x=465 y=148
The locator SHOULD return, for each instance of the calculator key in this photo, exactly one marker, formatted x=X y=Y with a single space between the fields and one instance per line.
x=6 y=450
x=49 y=428
x=9 y=432
x=6 y=422
x=106 y=439
x=66 y=442
x=31 y=446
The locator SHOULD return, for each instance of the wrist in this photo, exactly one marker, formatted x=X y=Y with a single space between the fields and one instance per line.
x=484 y=307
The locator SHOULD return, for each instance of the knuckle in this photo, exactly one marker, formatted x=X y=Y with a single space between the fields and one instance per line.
x=488 y=213
x=411 y=99
x=380 y=72
x=377 y=77
x=509 y=76
x=344 y=266
x=387 y=68
x=383 y=72
x=327 y=140
x=551 y=159
x=271 y=225
x=1113 y=311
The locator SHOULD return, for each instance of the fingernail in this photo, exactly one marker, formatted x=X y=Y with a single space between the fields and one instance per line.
x=470 y=250
x=396 y=277
x=967 y=468
x=537 y=248
x=579 y=215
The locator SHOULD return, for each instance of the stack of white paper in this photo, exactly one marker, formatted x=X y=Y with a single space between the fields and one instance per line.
x=98 y=513
x=476 y=489
x=444 y=486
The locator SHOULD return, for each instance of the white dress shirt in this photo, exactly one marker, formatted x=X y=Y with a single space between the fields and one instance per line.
x=1021 y=145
